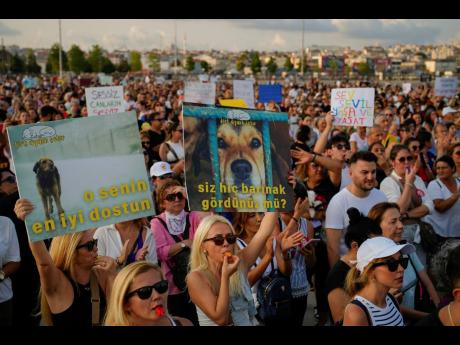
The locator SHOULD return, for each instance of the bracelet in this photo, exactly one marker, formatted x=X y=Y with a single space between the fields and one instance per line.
x=296 y=220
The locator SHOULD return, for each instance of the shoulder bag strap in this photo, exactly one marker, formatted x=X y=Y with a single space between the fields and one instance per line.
x=176 y=238
x=363 y=307
x=172 y=151
x=95 y=300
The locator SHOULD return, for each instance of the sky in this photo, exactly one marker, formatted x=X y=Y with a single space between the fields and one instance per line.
x=227 y=34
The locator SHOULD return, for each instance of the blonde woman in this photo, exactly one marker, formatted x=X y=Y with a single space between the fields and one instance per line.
x=66 y=272
x=217 y=282
x=379 y=267
x=139 y=298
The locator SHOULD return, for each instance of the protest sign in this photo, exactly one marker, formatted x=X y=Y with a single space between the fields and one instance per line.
x=203 y=77
x=236 y=160
x=30 y=82
x=446 y=87
x=80 y=173
x=353 y=107
x=244 y=89
x=406 y=87
x=104 y=100
x=236 y=103
x=269 y=93
x=105 y=79
x=198 y=92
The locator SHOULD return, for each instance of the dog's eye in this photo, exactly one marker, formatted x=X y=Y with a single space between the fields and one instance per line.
x=255 y=143
x=221 y=143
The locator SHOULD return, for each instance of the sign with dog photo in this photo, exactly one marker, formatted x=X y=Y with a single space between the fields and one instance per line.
x=236 y=160
x=81 y=173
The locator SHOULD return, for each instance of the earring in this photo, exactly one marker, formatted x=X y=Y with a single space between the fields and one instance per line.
x=205 y=252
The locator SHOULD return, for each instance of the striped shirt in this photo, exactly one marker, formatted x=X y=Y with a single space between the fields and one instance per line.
x=387 y=316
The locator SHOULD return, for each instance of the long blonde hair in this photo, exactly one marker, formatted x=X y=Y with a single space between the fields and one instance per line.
x=355 y=280
x=62 y=251
x=199 y=260
x=116 y=314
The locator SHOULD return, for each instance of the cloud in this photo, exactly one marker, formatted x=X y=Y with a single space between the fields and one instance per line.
x=390 y=30
x=312 y=25
x=7 y=31
x=278 y=41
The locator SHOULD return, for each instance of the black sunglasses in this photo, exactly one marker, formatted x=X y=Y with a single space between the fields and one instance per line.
x=394 y=264
x=89 y=245
x=165 y=176
x=146 y=292
x=342 y=146
x=403 y=159
x=415 y=147
x=173 y=196
x=219 y=239
x=9 y=179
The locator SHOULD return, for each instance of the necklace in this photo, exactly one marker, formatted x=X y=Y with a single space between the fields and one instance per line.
x=450 y=315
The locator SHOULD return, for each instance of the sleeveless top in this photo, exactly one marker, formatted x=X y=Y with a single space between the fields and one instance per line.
x=79 y=313
x=387 y=316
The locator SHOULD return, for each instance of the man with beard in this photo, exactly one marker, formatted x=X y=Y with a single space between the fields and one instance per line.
x=360 y=193
x=25 y=280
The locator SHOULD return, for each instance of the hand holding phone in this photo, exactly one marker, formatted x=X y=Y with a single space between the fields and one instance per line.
x=306 y=241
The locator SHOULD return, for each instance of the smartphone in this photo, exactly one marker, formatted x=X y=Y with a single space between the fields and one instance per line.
x=305 y=241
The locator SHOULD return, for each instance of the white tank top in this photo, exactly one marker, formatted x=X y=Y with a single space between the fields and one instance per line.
x=203 y=319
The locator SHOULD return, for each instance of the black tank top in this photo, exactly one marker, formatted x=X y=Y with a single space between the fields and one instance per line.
x=79 y=313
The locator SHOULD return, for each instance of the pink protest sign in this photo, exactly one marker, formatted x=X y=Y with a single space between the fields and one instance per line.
x=353 y=107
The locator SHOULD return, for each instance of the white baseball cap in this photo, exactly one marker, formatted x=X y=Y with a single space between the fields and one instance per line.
x=160 y=169
x=448 y=110
x=379 y=247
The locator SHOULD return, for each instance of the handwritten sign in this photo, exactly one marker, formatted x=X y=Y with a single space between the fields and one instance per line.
x=446 y=87
x=353 y=106
x=244 y=89
x=104 y=100
x=203 y=93
x=105 y=79
x=269 y=93
x=406 y=87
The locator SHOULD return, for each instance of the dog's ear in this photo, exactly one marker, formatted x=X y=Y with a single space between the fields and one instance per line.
x=36 y=167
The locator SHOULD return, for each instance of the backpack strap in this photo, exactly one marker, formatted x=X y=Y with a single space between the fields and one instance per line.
x=363 y=307
x=95 y=301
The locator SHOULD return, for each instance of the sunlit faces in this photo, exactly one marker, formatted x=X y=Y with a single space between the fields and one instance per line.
x=253 y=221
x=85 y=257
x=216 y=252
x=443 y=170
x=363 y=174
x=339 y=151
x=175 y=206
x=403 y=162
x=384 y=276
x=391 y=225
x=142 y=312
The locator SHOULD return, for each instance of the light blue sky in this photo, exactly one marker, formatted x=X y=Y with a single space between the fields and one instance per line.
x=228 y=34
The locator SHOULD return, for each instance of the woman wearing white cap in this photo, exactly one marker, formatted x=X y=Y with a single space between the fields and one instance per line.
x=380 y=267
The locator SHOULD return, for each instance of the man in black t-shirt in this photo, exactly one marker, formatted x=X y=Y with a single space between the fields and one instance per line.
x=156 y=133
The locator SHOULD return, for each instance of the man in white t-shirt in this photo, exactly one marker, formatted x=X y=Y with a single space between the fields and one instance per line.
x=360 y=193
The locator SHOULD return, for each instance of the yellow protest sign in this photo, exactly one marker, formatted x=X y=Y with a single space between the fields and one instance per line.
x=236 y=103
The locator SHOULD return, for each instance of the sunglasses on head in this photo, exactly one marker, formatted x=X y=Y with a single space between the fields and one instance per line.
x=403 y=159
x=394 y=264
x=9 y=179
x=146 y=292
x=173 y=196
x=88 y=245
x=342 y=146
x=219 y=239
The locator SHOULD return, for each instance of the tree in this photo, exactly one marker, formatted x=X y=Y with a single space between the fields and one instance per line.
x=77 y=60
x=205 y=66
x=364 y=68
x=189 y=63
x=107 y=66
x=17 y=64
x=256 y=64
x=123 y=66
x=135 y=58
x=272 y=66
x=96 y=58
x=154 y=62
x=31 y=63
x=53 y=60
x=288 y=66
x=241 y=62
x=5 y=60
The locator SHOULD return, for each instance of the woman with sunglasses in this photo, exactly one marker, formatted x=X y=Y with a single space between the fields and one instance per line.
x=139 y=298
x=383 y=165
x=67 y=272
x=387 y=216
x=379 y=267
x=172 y=149
x=217 y=282
x=174 y=230
x=407 y=189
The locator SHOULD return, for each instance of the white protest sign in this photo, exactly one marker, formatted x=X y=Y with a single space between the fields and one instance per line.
x=244 y=89
x=198 y=92
x=104 y=100
x=105 y=79
x=159 y=80
x=353 y=106
x=445 y=86
x=406 y=87
x=203 y=77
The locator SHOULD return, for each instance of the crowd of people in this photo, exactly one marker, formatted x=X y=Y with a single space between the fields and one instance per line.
x=374 y=210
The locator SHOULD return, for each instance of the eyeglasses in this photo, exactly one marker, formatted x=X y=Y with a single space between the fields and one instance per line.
x=173 y=196
x=403 y=159
x=342 y=146
x=146 y=292
x=9 y=179
x=415 y=147
x=219 y=239
x=89 y=245
x=394 y=264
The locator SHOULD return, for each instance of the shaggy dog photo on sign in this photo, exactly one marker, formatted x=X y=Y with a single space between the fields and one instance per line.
x=48 y=185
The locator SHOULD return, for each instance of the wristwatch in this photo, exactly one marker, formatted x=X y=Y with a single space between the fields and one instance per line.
x=183 y=245
x=2 y=276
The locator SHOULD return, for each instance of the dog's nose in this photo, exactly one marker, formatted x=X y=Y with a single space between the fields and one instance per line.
x=241 y=169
